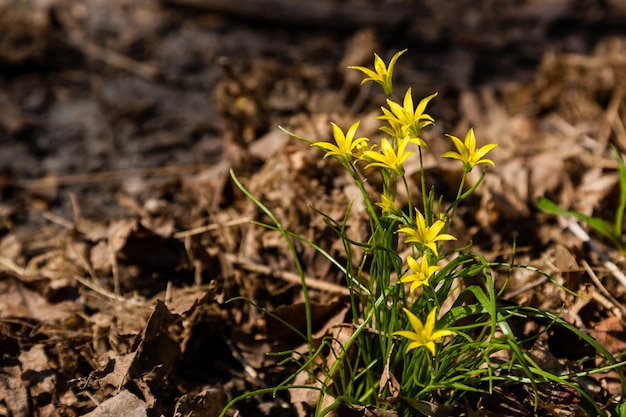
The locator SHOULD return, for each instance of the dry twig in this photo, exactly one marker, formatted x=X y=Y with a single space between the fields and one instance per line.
x=288 y=276
x=578 y=231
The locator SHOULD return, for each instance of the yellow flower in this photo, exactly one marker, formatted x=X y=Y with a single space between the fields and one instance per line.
x=424 y=236
x=442 y=217
x=388 y=205
x=388 y=157
x=423 y=334
x=346 y=143
x=405 y=120
x=381 y=74
x=421 y=272
x=361 y=148
x=467 y=152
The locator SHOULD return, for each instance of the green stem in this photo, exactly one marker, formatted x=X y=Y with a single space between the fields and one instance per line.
x=292 y=249
x=459 y=193
x=427 y=210
x=406 y=187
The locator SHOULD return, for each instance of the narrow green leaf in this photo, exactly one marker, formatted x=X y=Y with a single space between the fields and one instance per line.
x=601 y=226
x=619 y=213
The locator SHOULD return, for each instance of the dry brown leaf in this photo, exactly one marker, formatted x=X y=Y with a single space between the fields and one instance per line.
x=389 y=381
x=42 y=380
x=19 y=300
x=12 y=389
x=156 y=350
x=162 y=225
x=10 y=248
x=273 y=141
x=100 y=258
x=122 y=404
x=118 y=233
x=611 y=333
x=303 y=399
x=116 y=372
x=209 y=402
x=184 y=301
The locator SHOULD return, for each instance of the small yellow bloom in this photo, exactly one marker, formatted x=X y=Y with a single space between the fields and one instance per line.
x=424 y=236
x=381 y=74
x=421 y=272
x=388 y=157
x=360 y=150
x=467 y=152
x=405 y=120
x=388 y=205
x=423 y=334
x=346 y=143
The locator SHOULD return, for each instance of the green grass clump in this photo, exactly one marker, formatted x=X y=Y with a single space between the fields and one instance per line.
x=427 y=327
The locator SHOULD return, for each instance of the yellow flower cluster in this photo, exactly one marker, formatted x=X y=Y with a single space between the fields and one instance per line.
x=404 y=124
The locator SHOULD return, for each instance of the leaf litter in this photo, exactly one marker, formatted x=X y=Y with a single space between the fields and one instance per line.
x=122 y=238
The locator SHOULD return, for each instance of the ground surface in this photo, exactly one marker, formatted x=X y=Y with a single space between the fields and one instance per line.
x=121 y=234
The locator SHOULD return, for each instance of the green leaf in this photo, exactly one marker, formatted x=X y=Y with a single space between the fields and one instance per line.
x=547 y=206
x=619 y=213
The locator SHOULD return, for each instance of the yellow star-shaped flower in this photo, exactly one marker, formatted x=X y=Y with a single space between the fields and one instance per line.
x=407 y=120
x=346 y=143
x=421 y=272
x=423 y=334
x=382 y=74
x=425 y=236
x=388 y=205
x=388 y=157
x=467 y=152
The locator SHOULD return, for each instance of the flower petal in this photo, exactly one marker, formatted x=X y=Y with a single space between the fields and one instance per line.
x=422 y=106
x=408 y=334
x=415 y=322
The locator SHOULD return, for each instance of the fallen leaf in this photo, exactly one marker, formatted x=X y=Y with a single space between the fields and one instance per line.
x=209 y=402
x=12 y=389
x=122 y=404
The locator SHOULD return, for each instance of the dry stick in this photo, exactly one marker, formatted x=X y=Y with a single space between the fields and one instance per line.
x=115 y=270
x=75 y=207
x=291 y=277
x=612 y=122
x=582 y=235
x=56 y=219
x=611 y=113
x=95 y=287
x=615 y=119
x=606 y=299
x=210 y=227
x=112 y=58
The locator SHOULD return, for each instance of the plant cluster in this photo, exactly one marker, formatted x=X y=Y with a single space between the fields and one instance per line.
x=427 y=326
